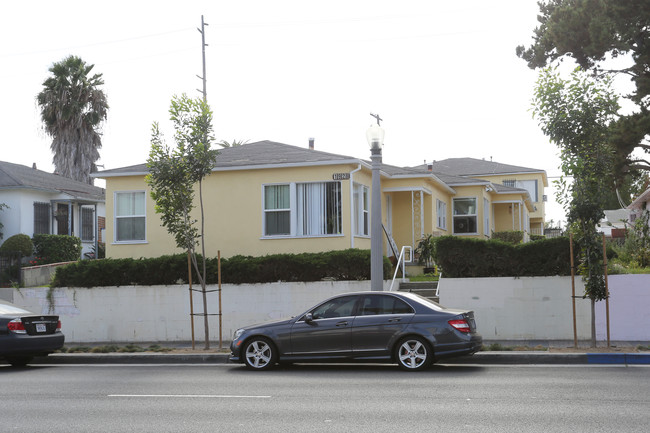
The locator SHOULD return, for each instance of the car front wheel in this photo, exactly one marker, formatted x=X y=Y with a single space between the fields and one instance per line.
x=413 y=354
x=259 y=354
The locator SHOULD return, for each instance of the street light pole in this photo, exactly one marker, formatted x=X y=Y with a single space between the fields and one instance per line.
x=375 y=136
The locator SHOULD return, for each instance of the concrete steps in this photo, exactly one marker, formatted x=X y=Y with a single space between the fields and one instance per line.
x=426 y=289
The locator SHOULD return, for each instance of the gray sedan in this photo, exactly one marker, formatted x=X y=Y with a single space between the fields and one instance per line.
x=396 y=327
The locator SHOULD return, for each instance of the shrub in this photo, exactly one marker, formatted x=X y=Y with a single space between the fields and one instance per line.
x=351 y=264
x=511 y=236
x=19 y=243
x=57 y=248
x=466 y=258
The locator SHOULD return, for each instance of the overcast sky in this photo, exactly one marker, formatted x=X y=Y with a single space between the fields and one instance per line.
x=442 y=74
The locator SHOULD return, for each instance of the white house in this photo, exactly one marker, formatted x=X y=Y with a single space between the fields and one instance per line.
x=40 y=202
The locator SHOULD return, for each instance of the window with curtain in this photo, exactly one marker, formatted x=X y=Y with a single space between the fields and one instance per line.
x=130 y=218
x=361 y=210
x=277 y=210
x=314 y=207
x=465 y=215
x=319 y=208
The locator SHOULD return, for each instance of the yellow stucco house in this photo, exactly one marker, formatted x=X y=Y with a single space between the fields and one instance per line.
x=267 y=197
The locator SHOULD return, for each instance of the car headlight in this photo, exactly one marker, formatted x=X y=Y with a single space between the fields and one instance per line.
x=237 y=334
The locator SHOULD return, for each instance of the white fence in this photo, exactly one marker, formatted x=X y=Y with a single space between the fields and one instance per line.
x=506 y=308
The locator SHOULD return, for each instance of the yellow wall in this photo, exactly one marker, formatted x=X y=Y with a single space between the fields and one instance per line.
x=233 y=214
x=542 y=182
x=234 y=217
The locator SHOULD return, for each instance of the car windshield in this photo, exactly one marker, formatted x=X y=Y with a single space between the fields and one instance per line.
x=12 y=309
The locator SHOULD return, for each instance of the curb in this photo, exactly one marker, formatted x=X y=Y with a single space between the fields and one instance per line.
x=482 y=358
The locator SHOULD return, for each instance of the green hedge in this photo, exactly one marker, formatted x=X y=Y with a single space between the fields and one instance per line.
x=56 y=248
x=351 y=264
x=467 y=258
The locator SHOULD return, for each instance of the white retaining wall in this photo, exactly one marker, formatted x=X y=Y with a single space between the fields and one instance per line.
x=540 y=308
x=506 y=308
x=162 y=313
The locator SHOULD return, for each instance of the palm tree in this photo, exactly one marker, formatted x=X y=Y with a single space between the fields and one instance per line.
x=234 y=143
x=72 y=108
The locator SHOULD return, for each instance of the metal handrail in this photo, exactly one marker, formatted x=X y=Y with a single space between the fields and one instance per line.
x=402 y=260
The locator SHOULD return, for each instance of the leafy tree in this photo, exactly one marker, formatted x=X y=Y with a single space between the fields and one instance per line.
x=72 y=109
x=174 y=174
x=593 y=32
x=575 y=114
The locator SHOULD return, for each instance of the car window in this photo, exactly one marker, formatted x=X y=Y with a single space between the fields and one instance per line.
x=338 y=307
x=382 y=304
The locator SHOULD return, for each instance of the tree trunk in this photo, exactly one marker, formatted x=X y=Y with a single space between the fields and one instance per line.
x=593 y=323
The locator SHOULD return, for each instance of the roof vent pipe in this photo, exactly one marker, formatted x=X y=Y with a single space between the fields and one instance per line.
x=311 y=143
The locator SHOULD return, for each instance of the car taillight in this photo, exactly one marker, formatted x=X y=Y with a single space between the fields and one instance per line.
x=58 y=326
x=16 y=326
x=460 y=324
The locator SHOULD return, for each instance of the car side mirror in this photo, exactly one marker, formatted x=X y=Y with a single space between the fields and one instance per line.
x=308 y=318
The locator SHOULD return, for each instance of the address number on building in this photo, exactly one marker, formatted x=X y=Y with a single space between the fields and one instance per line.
x=341 y=176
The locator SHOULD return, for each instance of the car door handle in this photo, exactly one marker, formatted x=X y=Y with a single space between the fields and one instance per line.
x=396 y=319
x=343 y=323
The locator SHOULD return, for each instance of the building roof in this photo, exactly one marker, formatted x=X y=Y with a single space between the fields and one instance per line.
x=262 y=154
x=269 y=154
x=15 y=176
x=644 y=197
x=477 y=167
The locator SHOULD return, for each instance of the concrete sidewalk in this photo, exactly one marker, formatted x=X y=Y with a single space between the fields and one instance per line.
x=482 y=358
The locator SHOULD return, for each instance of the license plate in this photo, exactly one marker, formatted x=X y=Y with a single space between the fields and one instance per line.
x=40 y=327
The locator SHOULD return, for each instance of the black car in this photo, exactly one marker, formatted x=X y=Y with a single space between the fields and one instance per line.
x=365 y=326
x=24 y=334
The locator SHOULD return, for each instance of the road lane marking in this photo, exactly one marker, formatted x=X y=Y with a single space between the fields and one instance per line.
x=186 y=396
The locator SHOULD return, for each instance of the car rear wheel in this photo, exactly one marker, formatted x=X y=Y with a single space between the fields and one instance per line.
x=19 y=361
x=260 y=354
x=413 y=354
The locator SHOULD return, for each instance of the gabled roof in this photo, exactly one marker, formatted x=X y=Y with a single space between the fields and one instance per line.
x=16 y=176
x=477 y=167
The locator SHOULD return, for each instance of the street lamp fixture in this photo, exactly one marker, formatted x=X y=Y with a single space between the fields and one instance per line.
x=375 y=136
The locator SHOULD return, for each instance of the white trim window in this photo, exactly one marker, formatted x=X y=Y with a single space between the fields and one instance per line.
x=130 y=216
x=465 y=215
x=302 y=209
x=361 y=210
x=441 y=212
x=528 y=185
x=486 y=217
x=277 y=210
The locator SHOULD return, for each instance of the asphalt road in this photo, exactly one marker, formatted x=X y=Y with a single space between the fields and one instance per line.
x=324 y=398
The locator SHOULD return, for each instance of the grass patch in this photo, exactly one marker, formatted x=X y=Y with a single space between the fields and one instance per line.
x=425 y=277
x=496 y=347
x=112 y=348
x=643 y=348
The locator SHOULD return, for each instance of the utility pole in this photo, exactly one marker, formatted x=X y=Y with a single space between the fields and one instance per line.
x=203 y=45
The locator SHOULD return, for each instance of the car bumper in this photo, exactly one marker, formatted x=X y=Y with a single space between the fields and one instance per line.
x=30 y=345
